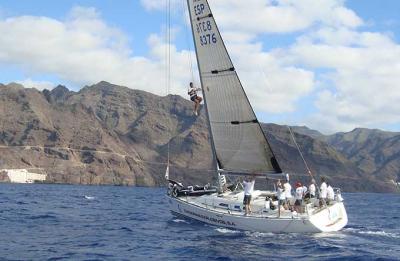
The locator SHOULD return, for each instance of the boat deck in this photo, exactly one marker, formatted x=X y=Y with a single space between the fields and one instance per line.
x=232 y=203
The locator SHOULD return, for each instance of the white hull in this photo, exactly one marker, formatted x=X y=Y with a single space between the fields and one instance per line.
x=327 y=219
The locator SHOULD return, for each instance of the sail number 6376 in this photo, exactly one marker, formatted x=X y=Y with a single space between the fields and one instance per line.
x=208 y=39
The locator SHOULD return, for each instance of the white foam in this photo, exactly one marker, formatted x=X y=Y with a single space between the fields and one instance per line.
x=227 y=231
x=258 y=234
x=373 y=233
x=380 y=233
x=89 y=197
x=180 y=221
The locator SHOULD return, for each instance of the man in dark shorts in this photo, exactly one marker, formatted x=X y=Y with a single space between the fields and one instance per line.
x=194 y=97
x=248 y=186
x=299 y=198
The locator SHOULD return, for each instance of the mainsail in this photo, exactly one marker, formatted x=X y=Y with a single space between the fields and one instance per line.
x=239 y=142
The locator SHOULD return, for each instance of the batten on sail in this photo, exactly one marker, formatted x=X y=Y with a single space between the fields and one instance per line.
x=239 y=142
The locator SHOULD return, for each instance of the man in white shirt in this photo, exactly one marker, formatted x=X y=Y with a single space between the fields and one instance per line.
x=304 y=190
x=248 y=186
x=323 y=192
x=330 y=194
x=281 y=197
x=287 y=188
x=299 y=197
x=312 y=188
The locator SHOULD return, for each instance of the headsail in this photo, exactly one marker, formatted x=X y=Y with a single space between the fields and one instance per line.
x=239 y=142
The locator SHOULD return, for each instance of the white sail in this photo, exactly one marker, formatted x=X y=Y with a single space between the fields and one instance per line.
x=239 y=142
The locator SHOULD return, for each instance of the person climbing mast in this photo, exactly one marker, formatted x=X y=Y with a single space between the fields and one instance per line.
x=194 y=97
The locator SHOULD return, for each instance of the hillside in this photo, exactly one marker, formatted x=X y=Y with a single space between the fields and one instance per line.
x=323 y=160
x=103 y=134
x=376 y=152
x=108 y=134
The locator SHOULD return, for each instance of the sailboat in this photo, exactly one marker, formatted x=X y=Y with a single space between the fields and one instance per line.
x=240 y=148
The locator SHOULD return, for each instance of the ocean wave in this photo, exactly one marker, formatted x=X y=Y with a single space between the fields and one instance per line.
x=89 y=197
x=126 y=229
x=44 y=216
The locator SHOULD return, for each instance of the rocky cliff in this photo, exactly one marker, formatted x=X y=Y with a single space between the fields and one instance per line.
x=108 y=134
x=103 y=134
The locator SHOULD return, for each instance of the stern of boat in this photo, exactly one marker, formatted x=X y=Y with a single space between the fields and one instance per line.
x=330 y=218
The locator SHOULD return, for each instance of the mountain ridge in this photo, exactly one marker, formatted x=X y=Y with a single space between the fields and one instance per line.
x=109 y=134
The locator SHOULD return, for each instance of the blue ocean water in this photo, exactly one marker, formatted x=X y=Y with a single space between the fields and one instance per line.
x=56 y=222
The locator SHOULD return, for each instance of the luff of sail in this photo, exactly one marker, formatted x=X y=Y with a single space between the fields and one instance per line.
x=239 y=142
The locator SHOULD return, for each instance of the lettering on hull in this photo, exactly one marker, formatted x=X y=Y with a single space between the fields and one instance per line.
x=211 y=219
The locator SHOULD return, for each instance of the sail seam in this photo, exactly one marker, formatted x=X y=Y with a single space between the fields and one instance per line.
x=210 y=76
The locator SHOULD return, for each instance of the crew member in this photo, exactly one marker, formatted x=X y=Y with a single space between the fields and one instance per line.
x=194 y=97
x=323 y=192
x=248 y=186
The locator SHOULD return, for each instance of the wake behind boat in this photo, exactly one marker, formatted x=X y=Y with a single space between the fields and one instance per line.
x=240 y=148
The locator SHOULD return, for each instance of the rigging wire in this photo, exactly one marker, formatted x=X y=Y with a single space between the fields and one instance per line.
x=168 y=33
x=301 y=154
x=305 y=163
x=189 y=46
x=168 y=64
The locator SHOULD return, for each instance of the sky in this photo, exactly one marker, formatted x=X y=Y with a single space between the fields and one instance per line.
x=332 y=65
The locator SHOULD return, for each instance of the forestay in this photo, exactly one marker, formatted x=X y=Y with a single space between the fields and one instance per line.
x=240 y=144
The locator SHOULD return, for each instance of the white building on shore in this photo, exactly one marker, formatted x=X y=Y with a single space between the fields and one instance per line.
x=24 y=176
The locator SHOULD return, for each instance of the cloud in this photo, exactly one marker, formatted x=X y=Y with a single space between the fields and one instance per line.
x=278 y=16
x=40 y=85
x=83 y=49
x=272 y=86
x=361 y=82
x=282 y=16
